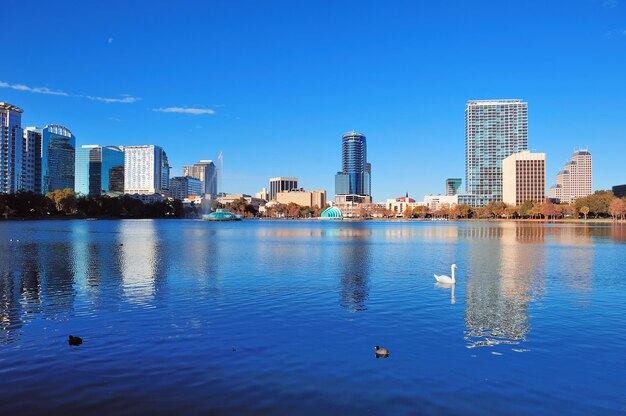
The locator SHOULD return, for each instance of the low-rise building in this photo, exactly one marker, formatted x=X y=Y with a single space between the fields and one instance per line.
x=436 y=202
x=303 y=198
x=399 y=205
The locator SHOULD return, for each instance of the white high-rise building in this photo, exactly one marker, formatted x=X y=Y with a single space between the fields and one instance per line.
x=494 y=130
x=11 y=147
x=524 y=178
x=146 y=170
x=575 y=179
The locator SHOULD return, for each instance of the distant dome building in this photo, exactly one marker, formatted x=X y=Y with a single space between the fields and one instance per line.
x=332 y=213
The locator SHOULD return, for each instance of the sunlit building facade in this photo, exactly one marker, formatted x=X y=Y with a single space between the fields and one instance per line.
x=206 y=172
x=97 y=170
x=281 y=184
x=575 y=179
x=524 y=178
x=146 y=170
x=494 y=130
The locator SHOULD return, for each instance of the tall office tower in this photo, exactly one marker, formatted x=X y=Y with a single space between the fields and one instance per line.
x=58 y=146
x=524 y=178
x=353 y=183
x=575 y=179
x=494 y=130
x=145 y=170
x=453 y=186
x=281 y=184
x=30 y=178
x=206 y=172
x=11 y=147
x=165 y=174
x=182 y=187
x=97 y=169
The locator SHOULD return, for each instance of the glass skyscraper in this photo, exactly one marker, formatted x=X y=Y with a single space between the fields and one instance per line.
x=58 y=146
x=354 y=179
x=494 y=130
x=98 y=170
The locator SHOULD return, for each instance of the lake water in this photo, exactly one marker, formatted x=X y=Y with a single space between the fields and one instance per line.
x=281 y=317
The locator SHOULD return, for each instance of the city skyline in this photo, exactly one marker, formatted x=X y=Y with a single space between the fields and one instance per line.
x=407 y=96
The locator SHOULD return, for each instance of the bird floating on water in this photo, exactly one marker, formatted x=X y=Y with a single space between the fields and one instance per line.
x=381 y=352
x=75 y=341
x=447 y=279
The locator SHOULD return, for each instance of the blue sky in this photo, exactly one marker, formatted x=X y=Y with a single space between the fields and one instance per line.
x=278 y=82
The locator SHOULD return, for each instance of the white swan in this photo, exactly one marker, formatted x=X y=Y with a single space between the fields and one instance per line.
x=446 y=279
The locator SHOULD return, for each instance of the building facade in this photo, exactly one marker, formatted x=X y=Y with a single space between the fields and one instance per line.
x=453 y=186
x=206 y=172
x=575 y=179
x=97 y=170
x=524 y=178
x=11 y=147
x=355 y=176
x=436 y=202
x=303 y=198
x=146 y=170
x=182 y=187
x=281 y=184
x=494 y=130
x=58 y=151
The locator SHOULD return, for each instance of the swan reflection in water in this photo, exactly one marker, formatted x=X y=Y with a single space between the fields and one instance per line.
x=448 y=286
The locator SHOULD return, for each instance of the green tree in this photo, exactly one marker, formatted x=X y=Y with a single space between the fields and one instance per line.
x=585 y=211
x=525 y=209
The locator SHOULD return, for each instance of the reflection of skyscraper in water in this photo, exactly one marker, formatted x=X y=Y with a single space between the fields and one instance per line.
x=356 y=259
x=58 y=278
x=19 y=292
x=503 y=277
x=139 y=260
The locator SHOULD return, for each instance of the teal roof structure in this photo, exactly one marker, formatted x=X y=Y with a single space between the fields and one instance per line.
x=221 y=214
x=333 y=213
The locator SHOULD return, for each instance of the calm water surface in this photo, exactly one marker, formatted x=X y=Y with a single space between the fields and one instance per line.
x=263 y=317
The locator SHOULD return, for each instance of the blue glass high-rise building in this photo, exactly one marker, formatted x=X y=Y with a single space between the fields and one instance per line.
x=353 y=183
x=99 y=169
x=58 y=148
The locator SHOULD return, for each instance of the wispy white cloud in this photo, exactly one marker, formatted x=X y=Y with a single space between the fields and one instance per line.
x=610 y=3
x=36 y=90
x=44 y=90
x=185 y=110
x=125 y=99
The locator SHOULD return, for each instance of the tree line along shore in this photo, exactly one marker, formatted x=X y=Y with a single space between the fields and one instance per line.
x=602 y=205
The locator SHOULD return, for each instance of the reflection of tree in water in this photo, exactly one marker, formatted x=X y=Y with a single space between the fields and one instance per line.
x=503 y=278
x=355 y=256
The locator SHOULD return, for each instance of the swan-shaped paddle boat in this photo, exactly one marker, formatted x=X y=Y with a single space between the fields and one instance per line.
x=447 y=279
